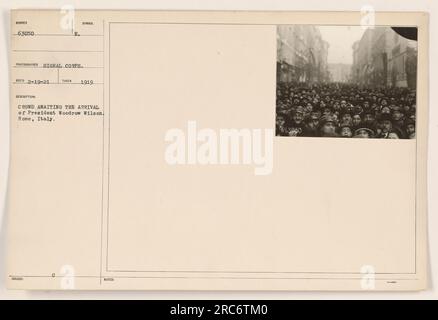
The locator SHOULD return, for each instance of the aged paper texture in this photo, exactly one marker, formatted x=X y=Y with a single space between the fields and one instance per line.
x=175 y=151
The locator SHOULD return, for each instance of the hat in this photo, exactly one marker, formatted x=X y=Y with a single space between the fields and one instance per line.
x=326 y=119
x=385 y=117
x=409 y=121
x=370 y=132
x=357 y=109
x=299 y=109
x=398 y=132
x=345 y=125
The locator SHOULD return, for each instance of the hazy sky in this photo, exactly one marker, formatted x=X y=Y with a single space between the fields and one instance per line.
x=341 y=39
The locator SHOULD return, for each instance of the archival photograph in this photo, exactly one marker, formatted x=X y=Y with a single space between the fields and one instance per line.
x=346 y=81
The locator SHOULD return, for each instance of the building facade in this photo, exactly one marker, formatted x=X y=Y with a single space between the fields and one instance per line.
x=383 y=58
x=301 y=54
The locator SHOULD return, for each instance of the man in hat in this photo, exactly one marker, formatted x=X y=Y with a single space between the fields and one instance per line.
x=366 y=105
x=357 y=120
x=296 y=125
x=309 y=108
x=369 y=118
x=385 y=125
x=327 y=126
x=326 y=111
x=398 y=118
x=393 y=135
x=346 y=118
x=358 y=109
x=410 y=128
x=345 y=131
x=385 y=110
x=311 y=128
x=280 y=126
x=364 y=133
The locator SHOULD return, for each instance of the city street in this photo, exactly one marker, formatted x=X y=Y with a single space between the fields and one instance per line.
x=357 y=83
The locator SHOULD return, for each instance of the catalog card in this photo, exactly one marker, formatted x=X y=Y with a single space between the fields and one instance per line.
x=218 y=150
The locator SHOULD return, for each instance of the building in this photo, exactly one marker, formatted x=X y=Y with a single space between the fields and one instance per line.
x=301 y=54
x=383 y=58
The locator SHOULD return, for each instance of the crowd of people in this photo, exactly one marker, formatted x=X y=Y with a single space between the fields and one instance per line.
x=345 y=110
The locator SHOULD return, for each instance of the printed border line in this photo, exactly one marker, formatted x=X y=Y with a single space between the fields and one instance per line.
x=103 y=154
x=198 y=277
x=250 y=272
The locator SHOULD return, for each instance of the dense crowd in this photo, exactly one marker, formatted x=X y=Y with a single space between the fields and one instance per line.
x=344 y=110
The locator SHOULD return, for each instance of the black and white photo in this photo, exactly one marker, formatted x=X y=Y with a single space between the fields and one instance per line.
x=346 y=81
